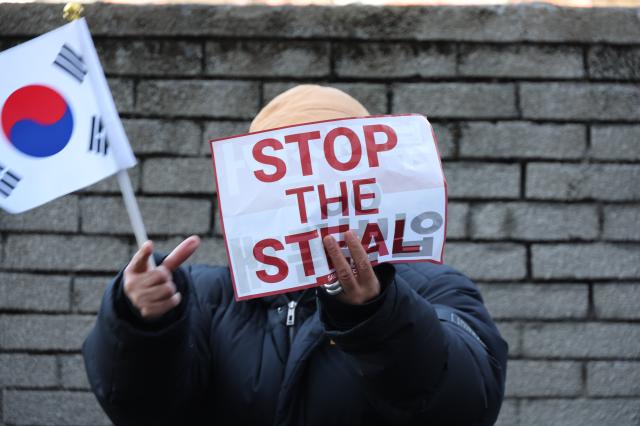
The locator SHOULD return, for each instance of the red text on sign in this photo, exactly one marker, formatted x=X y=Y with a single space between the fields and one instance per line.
x=302 y=140
x=341 y=199
x=372 y=239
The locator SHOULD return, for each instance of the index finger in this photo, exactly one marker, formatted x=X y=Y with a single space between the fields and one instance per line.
x=342 y=267
x=181 y=253
x=360 y=257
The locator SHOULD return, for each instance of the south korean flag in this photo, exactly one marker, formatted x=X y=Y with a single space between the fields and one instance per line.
x=60 y=130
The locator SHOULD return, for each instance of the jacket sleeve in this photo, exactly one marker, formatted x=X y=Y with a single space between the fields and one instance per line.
x=427 y=359
x=148 y=373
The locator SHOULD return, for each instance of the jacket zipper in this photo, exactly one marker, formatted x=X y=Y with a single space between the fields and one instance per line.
x=291 y=318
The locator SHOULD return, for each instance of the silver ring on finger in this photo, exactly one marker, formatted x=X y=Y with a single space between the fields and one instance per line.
x=333 y=289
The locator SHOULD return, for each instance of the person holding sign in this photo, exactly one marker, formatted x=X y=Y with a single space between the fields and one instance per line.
x=401 y=344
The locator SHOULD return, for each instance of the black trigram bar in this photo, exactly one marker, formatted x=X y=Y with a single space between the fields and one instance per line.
x=71 y=62
x=98 y=141
x=8 y=181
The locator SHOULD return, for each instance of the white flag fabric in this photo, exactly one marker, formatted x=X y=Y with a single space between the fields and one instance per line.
x=60 y=130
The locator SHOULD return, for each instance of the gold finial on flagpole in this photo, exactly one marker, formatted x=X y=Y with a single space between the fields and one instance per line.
x=72 y=11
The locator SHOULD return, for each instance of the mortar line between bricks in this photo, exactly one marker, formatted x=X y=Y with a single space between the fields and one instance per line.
x=48 y=314
x=48 y=271
x=39 y=352
x=521 y=357
x=21 y=352
x=450 y=160
x=568 y=321
x=134 y=91
x=39 y=312
x=583 y=377
x=632 y=360
x=332 y=61
x=203 y=56
x=150 y=196
x=558 y=201
x=513 y=398
x=341 y=39
x=3 y=249
x=588 y=142
x=585 y=62
x=550 y=281
x=341 y=78
x=212 y=220
x=523 y=179
x=261 y=95
x=529 y=262
x=574 y=398
x=483 y=281
x=14 y=311
x=457 y=55
x=454 y=158
x=120 y=235
x=523 y=320
x=79 y=218
x=519 y=338
x=591 y=307
x=600 y=212
x=456 y=133
x=471 y=119
x=542 y=284
x=435 y=120
x=174 y=156
x=572 y=360
x=48 y=389
x=72 y=289
x=468 y=222
x=522 y=160
x=517 y=100
x=124 y=235
x=58 y=362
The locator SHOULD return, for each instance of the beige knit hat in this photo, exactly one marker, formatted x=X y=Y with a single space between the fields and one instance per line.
x=304 y=104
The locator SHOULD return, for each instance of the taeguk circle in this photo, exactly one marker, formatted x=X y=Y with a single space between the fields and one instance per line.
x=37 y=120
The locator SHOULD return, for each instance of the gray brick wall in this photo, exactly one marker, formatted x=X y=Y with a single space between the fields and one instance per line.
x=537 y=112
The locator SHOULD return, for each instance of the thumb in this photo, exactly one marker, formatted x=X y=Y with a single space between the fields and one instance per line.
x=182 y=252
x=139 y=262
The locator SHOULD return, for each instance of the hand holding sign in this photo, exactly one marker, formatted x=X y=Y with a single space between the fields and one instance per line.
x=152 y=291
x=357 y=288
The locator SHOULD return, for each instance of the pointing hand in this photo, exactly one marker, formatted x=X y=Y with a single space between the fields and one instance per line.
x=152 y=290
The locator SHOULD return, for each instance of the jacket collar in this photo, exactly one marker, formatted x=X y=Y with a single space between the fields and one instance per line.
x=302 y=297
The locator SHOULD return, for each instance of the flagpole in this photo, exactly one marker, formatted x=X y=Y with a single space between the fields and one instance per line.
x=71 y=12
x=131 y=205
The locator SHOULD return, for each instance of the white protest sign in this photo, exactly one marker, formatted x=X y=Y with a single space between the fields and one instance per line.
x=281 y=191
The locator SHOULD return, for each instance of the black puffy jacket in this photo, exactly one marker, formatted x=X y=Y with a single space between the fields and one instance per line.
x=428 y=354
